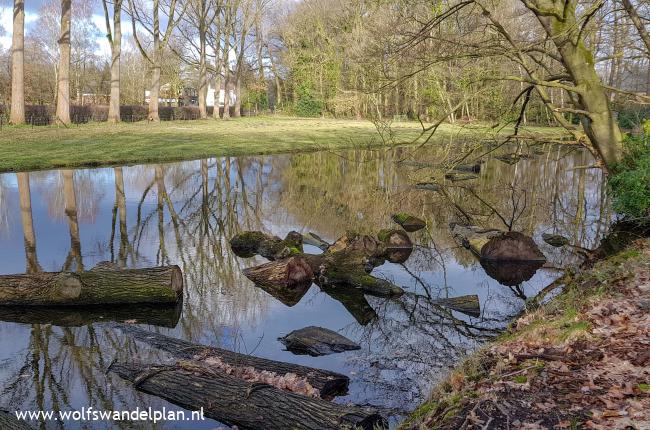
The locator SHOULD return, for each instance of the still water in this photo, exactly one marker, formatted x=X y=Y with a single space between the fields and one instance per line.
x=185 y=213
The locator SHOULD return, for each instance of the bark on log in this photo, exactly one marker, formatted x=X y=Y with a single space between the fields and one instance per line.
x=250 y=243
x=328 y=383
x=468 y=305
x=8 y=421
x=77 y=316
x=346 y=262
x=102 y=285
x=233 y=401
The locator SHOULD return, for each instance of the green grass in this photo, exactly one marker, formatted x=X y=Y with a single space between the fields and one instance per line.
x=95 y=144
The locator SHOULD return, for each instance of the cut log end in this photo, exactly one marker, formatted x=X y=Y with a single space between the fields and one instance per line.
x=177 y=280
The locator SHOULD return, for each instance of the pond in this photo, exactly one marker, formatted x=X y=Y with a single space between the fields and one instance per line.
x=185 y=213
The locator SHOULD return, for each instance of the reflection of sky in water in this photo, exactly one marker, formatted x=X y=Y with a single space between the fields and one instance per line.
x=44 y=366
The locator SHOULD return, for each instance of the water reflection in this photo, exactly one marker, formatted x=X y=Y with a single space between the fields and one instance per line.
x=185 y=213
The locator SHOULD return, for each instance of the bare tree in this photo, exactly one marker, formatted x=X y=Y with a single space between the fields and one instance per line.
x=114 y=36
x=152 y=27
x=63 y=79
x=18 y=64
x=638 y=23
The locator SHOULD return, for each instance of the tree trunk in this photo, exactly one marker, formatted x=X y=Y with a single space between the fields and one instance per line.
x=154 y=92
x=116 y=52
x=225 y=68
x=203 y=72
x=103 y=284
x=236 y=402
x=78 y=316
x=237 y=112
x=18 y=64
x=226 y=96
x=598 y=122
x=217 y=77
x=328 y=384
x=63 y=82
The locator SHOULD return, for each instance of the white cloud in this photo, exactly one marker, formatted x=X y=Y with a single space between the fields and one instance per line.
x=5 y=42
x=6 y=24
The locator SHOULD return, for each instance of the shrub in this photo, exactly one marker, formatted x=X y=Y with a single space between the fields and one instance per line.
x=630 y=182
x=307 y=105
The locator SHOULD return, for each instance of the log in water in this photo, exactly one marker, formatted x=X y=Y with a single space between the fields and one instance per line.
x=103 y=285
x=234 y=401
x=328 y=383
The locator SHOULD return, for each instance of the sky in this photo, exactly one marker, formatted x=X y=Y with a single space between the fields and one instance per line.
x=31 y=16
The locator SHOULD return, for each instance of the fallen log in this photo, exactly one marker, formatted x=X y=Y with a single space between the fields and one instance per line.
x=8 y=421
x=468 y=305
x=236 y=402
x=328 y=384
x=103 y=285
x=77 y=316
x=250 y=243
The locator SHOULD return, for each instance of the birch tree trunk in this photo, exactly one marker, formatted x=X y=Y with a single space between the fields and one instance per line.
x=63 y=81
x=18 y=64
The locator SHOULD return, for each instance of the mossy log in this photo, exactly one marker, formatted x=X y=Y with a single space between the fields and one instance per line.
x=250 y=243
x=235 y=402
x=340 y=268
x=8 y=421
x=103 y=285
x=329 y=384
x=468 y=305
x=347 y=262
x=162 y=315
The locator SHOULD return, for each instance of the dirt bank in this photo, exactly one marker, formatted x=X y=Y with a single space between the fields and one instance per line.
x=582 y=361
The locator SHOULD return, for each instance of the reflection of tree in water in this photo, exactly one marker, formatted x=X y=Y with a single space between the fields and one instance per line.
x=185 y=214
x=5 y=203
x=412 y=338
x=27 y=221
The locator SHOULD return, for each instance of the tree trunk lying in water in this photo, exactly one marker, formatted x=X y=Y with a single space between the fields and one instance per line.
x=8 y=421
x=236 y=402
x=161 y=315
x=104 y=284
x=328 y=384
x=346 y=262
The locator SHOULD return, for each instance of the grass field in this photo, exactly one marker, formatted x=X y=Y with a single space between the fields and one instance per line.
x=97 y=144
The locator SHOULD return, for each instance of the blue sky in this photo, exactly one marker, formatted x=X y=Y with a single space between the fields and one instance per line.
x=31 y=16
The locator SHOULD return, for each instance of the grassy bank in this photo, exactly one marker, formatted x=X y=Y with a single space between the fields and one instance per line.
x=95 y=144
x=580 y=361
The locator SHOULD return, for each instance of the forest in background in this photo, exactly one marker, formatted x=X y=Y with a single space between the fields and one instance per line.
x=342 y=58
